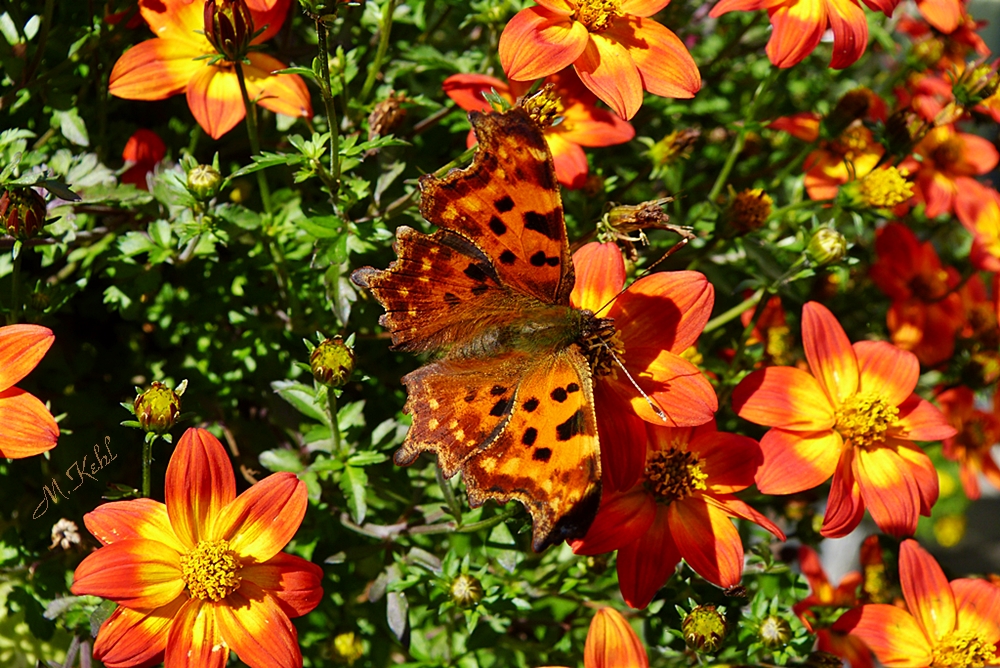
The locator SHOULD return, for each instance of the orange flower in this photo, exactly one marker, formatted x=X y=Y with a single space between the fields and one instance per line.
x=680 y=509
x=798 y=26
x=853 y=418
x=203 y=574
x=851 y=156
x=945 y=15
x=657 y=318
x=948 y=624
x=174 y=62
x=613 y=45
x=971 y=447
x=943 y=163
x=28 y=427
x=582 y=124
x=978 y=209
x=824 y=595
x=611 y=643
x=926 y=310
x=143 y=150
x=954 y=47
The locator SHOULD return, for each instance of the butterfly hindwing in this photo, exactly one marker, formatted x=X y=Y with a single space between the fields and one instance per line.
x=507 y=202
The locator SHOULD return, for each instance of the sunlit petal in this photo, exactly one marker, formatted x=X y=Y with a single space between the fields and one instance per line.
x=135 y=637
x=890 y=632
x=600 y=275
x=606 y=68
x=215 y=100
x=253 y=625
x=888 y=490
x=665 y=65
x=844 y=506
x=22 y=347
x=646 y=564
x=27 y=427
x=155 y=70
x=538 y=42
x=611 y=643
x=926 y=590
x=136 y=573
x=135 y=518
x=886 y=371
x=785 y=397
x=829 y=352
x=281 y=93
x=795 y=461
x=199 y=484
x=194 y=638
x=261 y=521
x=293 y=582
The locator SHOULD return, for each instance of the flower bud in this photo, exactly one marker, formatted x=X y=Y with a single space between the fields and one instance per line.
x=774 y=632
x=674 y=147
x=826 y=246
x=332 y=362
x=466 y=591
x=704 y=629
x=23 y=212
x=203 y=182
x=346 y=648
x=157 y=408
x=229 y=27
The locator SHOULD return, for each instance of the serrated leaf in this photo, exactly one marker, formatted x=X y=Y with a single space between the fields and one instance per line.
x=354 y=485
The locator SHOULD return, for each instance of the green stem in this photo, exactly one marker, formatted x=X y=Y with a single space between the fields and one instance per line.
x=331 y=399
x=734 y=312
x=147 y=465
x=449 y=496
x=491 y=522
x=331 y=115
x=251 y=112
x=383 y=45
x=15 y=284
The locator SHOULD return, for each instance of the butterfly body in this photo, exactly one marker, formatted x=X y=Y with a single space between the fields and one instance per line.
x=509 y=399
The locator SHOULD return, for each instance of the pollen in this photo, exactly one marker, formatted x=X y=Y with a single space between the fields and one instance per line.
x=854 y=141
x=544 y=107
x=885 y=188
x=598 y=15
x=211 y=570
x=963 y=649
x=674 y=474
x=605 y=349
x=865 y=419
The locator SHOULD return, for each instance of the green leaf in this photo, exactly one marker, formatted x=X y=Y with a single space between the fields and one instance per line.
x=366 y=458
x=302 y=397
x=281 y=459
x=502 y=547
x=72 y=127
x=354 y=485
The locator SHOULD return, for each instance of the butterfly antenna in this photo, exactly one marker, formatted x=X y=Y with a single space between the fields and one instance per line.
x=685 y=238
x=649 y=400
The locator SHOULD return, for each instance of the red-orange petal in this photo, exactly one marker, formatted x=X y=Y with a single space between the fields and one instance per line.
x=281 y=93
x=667 y=310
x=844 y=506
x=829 y=352
x=888 y=490
x=214 y=97
x=785 y=397
x=199 y=484
x=622 y=519
x=945 y=15
x=136 y=573
x=890 y=632
x=22 y=347
x=707 y=540
x=925 y=588
x=665 y=65
x=269 y=15
x=600 y=276
x=735 y=508
x=174 y=19
x=919 y=420
x=466 y=90
x=675 y=385
x=978 y=608
x=886 y=371
x=136 y=518
x=607 y=69
x=538 y=42
x=643 y=7
x=611 y=643
x=155 y=70
x=797 y=29
x=795 y=461
x=921 y=471
x=255 y=627
x=131 y=638
x=646 y=564
x=729 y=460
x=623 y=439
x=850 y=32
x=589 y=126
x=569 y=160
x=28 y=426
x=261 y=521
x=296 y=584
x=194 y=638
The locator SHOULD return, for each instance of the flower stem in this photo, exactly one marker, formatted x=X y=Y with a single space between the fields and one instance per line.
x=147 y=464
x=383 y=45
x=331 y=399
x=251 y=114
x=331 y=115
x=734 y=312
x=15 y=284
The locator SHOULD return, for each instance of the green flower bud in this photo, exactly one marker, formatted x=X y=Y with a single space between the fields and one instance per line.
x=23 y=212
x=826 y=246
x=157 y=408
x=229 y=27
x=774 y=632
x=203 y=182
x=466 y=591
x=704 y=629
x=332 y=362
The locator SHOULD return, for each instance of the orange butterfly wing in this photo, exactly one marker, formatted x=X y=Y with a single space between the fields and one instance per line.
x=510 y=404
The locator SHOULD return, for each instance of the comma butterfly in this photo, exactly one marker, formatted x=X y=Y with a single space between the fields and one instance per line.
x=510 y=400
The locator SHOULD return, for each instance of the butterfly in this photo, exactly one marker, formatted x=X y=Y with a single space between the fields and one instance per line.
x=509 y=400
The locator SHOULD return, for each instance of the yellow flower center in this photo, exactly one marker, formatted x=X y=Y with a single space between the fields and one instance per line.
x=604 y=348
x=674 y=147
x=598 y=15
x=948 y=152
x=211 y=570
x=854 y=141
x=544 y=107
x=963 y=650
x=975 y=434
x=674 y=474
x=885 y=188
x=864 y=419
x=930 y=287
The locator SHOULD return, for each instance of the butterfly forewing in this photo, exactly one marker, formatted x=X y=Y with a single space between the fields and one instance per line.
x=508 y=203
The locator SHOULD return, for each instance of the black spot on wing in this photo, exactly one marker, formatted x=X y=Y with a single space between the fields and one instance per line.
x=530 y=434
x=497 y=390
x=500 y=407
x=470 y=397
x=571 y=427
x=559 y=394
x=542 y=454
x=451 y=299
x=531 y=404
x=507 y=257
x=479 y=289
x=504 y=204
x=548 y=225
x=497 y=226
x=538 y=259
x=572 y=387
x=475 y=272
x=552 y=261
